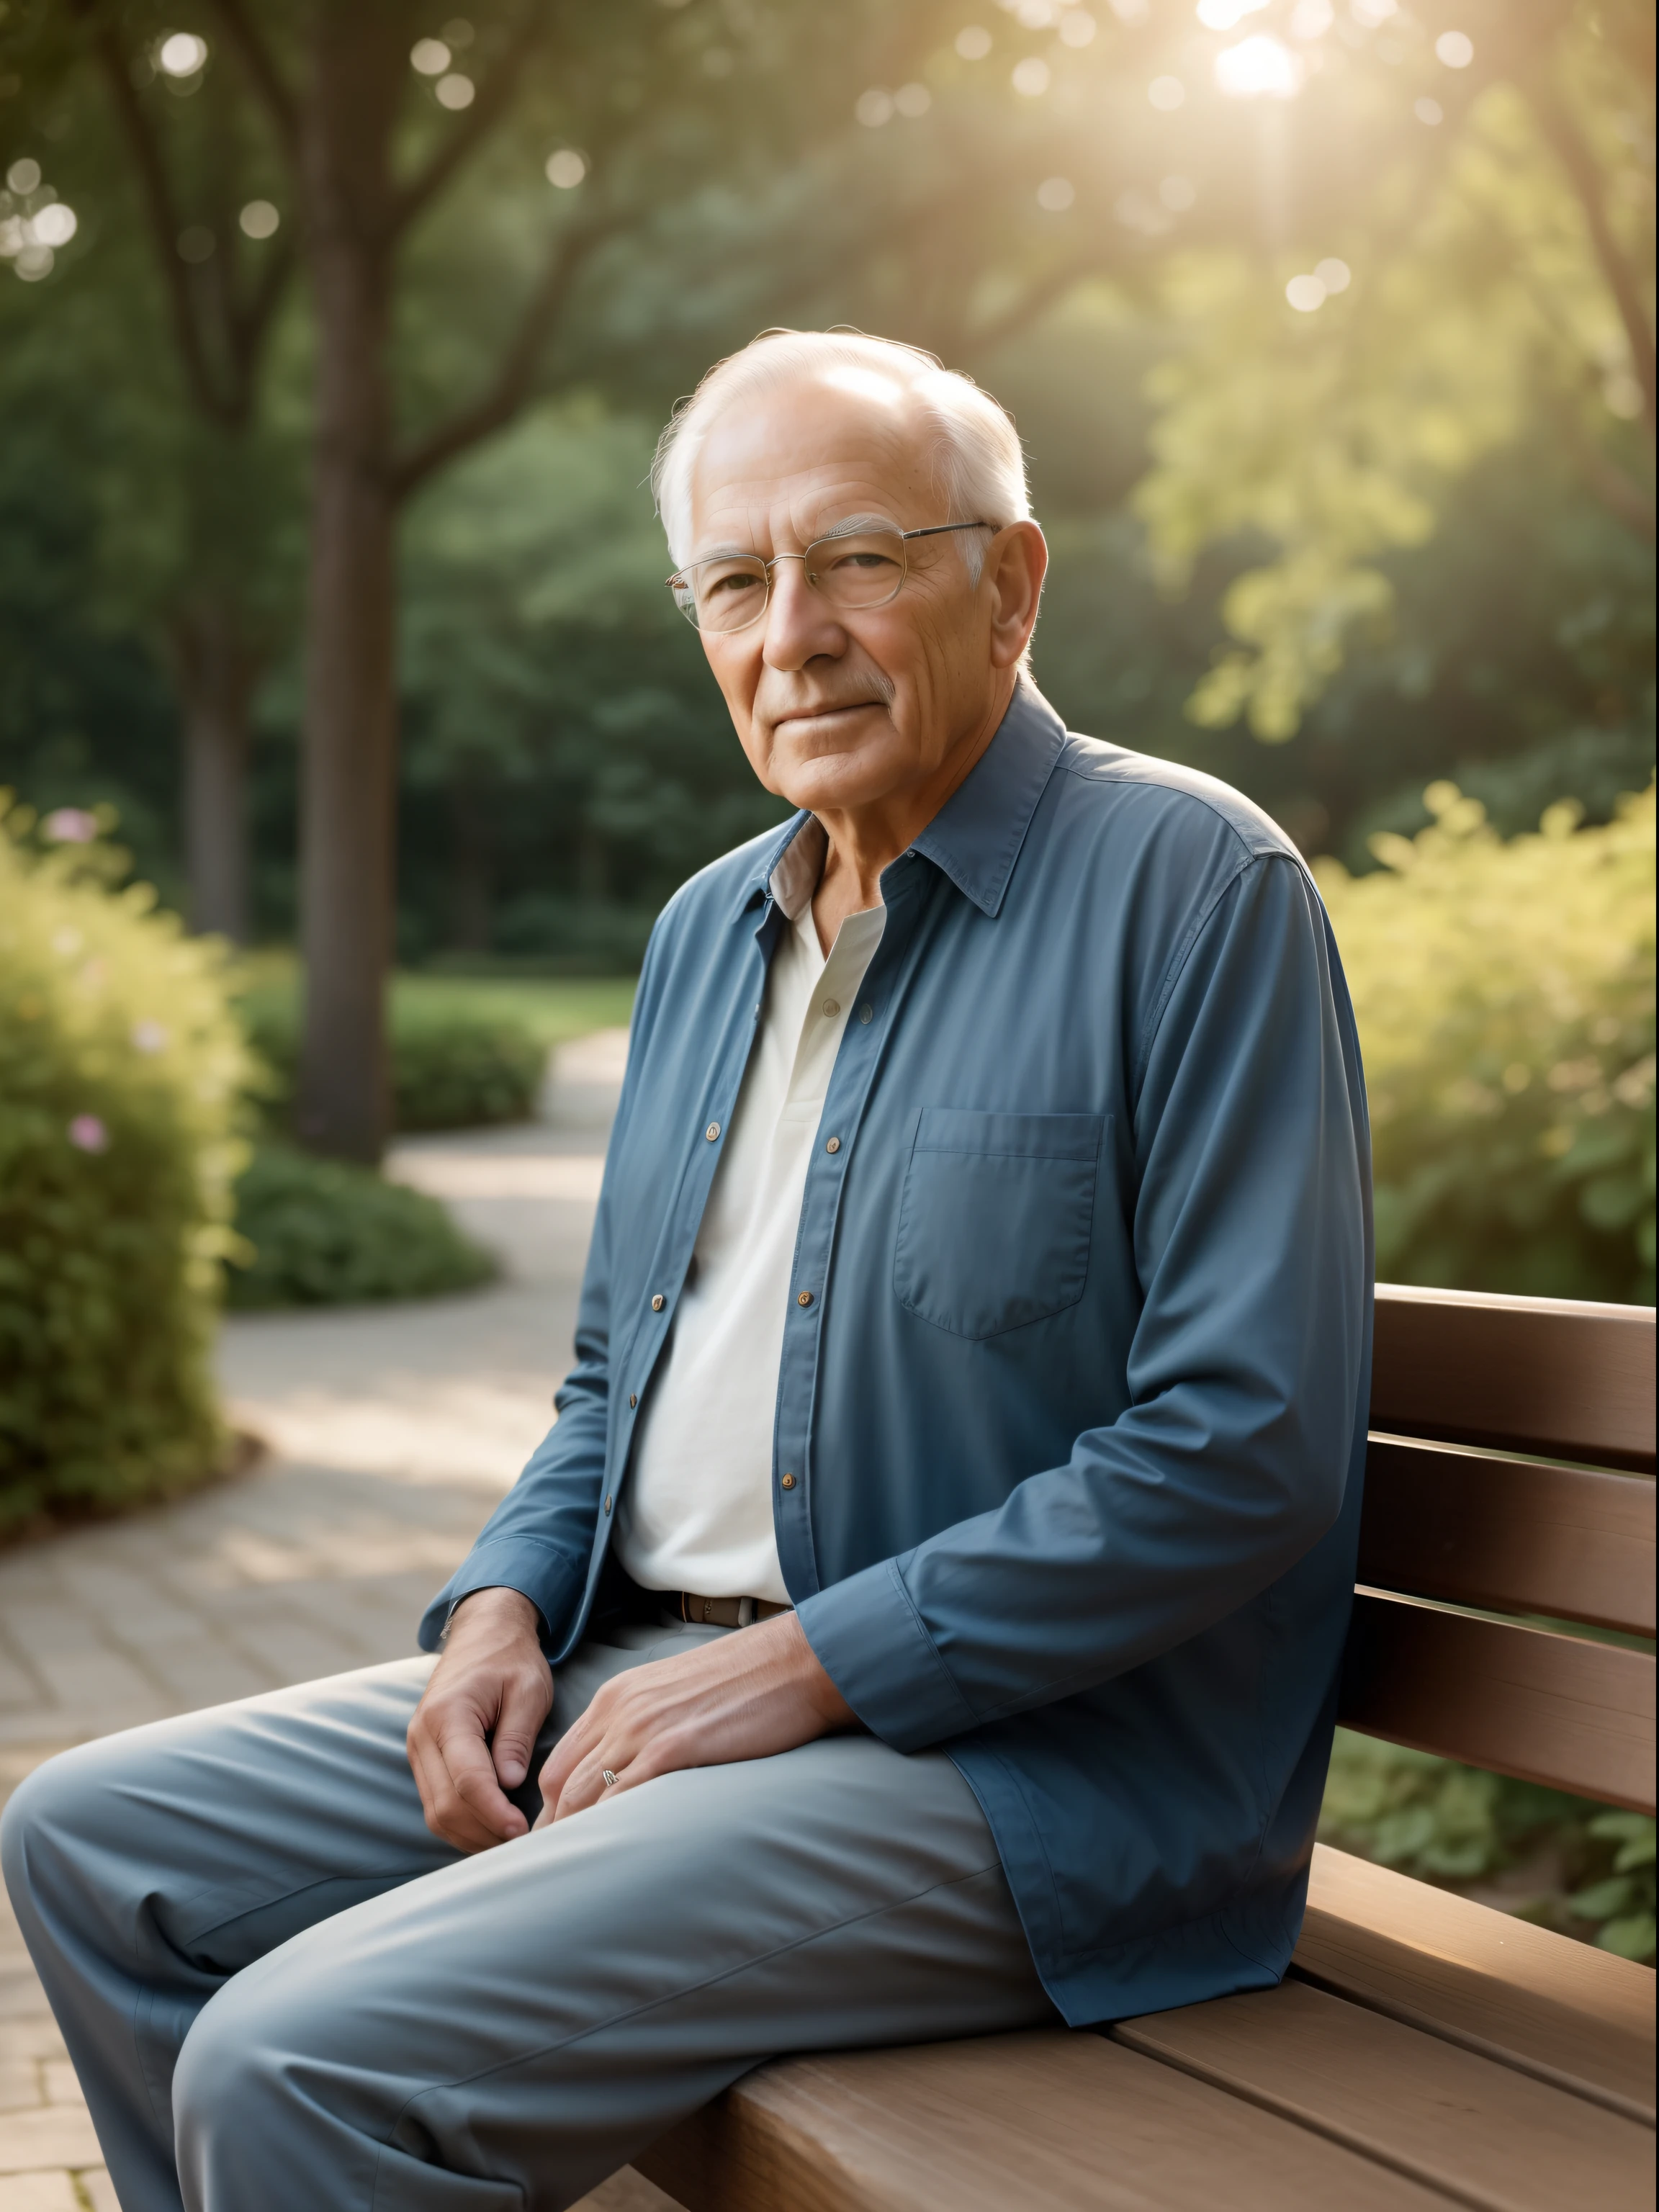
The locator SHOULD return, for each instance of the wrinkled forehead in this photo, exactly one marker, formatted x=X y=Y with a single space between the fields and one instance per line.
x=802 y=453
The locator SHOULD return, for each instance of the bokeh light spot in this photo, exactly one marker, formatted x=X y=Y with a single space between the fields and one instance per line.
x=1428 y=110
x=55 y=225
x=974 y=42
x=181 y=53
x=912 y=100
x=1455 y=48
x=1312 y=19
x=1260 y=68
x=1031 y=76
x=428 y=57
x=566 y=168
x=874 y=107
x=1305 y=293
x=1335 y=276
x=1166 y=92
x=1077 y=28
x=1056 y=194
x=260 y=219
x=196 y=243
x=1222 y=15
x=24 y=174
x=456 y=91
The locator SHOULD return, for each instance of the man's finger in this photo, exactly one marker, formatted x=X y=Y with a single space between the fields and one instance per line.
x=450 y=1819
x=525 y=1705
x=471 y=1775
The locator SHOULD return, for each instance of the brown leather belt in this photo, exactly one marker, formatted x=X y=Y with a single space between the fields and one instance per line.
x=727 y=1612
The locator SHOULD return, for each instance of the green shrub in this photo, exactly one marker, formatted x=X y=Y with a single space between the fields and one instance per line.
x=318 y=1232
x=1505 y=1000
x=453 y=1067
x=1565 y=1863
x=121 y=1070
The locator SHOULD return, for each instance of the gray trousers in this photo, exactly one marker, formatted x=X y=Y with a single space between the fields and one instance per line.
x=280 y=1989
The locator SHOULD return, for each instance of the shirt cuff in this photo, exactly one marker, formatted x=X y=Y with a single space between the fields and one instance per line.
x=869 y=1640
x=540 y=1571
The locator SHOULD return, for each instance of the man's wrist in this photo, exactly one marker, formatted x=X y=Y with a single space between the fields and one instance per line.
x=498 y=1604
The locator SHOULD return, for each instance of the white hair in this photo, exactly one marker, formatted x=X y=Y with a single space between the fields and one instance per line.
x=978 y=464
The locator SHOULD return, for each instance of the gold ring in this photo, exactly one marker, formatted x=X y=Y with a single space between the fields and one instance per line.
x=610 y=1779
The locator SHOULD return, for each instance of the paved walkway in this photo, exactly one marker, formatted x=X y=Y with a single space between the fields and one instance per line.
x=392 y=1431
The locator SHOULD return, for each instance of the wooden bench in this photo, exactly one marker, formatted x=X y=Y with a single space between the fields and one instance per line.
x=1424 y=2052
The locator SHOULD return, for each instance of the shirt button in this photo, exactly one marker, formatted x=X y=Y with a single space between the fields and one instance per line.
x=787 y=1482
x=712 y=1131
x=804 y=1299
x=633 y=1397
x=658 y=1302
x=832 y=1007
x=833 y=1145
x=867 y=1011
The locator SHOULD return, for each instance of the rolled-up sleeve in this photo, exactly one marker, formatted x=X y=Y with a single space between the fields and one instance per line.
x=1252 y=1248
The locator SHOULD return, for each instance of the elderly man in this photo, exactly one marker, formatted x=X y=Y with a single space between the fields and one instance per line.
x=924 y=1618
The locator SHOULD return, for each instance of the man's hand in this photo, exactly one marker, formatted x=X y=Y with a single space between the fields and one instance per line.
x=475 y=1728
x=746 y=1696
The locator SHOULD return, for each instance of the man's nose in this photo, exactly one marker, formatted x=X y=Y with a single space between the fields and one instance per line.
x=800 y=625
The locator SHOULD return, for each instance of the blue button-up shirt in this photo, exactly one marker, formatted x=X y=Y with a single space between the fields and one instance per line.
x=1071 y=1412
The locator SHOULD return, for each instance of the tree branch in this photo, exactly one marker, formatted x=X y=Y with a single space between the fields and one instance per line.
x=1585 y=178
x=494 y=96
x=163 y=218
x=260 y=63
x=497 y=406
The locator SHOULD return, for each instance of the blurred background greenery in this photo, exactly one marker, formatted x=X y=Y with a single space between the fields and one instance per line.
x=1329 y=328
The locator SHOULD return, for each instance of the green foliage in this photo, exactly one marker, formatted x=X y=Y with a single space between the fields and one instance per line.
x=121 y=1069
x=1486 y=282
x=1505 y=1000
x=453 y=1067
x=320 y=1232
x=1549 y=1857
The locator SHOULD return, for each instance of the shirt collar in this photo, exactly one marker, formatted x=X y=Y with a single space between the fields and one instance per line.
x=974 y=838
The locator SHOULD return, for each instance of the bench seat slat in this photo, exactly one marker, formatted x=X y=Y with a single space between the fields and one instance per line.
x=1484 y=2134
x=1508 y=1535
x=1046 y=2121
x=1552 y=1709
x=1556 y=1376
x=1560 y=2010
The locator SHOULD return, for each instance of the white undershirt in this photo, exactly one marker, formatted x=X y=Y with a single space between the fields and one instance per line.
x=695 y=1513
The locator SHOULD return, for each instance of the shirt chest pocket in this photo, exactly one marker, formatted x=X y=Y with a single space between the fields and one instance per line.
x=996 y=1217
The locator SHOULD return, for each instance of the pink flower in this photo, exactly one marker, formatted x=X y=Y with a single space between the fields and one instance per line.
x=87 y=1134
x=70 y=825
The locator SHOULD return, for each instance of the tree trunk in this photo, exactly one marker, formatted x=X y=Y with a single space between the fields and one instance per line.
x=216 y=673
x=349 y=752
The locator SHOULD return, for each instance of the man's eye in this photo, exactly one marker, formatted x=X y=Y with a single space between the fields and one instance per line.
x=737 y=580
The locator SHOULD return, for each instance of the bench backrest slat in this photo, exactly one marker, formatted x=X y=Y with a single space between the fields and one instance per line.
x=1508 y=1535
x=1463 y=1386
x=1550 y=1376
x=1558 y=1710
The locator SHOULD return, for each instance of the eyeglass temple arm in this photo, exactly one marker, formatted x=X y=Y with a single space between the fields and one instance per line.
x=940 y=529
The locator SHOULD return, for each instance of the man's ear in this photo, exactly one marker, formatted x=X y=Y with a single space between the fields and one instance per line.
x=1016 y=563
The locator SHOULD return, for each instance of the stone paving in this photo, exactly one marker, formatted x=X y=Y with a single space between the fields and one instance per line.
x=392 y=1431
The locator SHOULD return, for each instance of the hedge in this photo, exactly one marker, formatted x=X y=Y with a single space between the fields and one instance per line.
x=122 y=1067
x=1504 y=994
x=453 y=1067
x=320 y=1232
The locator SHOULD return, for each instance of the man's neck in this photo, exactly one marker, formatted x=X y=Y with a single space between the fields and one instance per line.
x=866 y=841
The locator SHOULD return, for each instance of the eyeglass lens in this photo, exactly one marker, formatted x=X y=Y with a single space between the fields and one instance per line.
x=859 y=570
